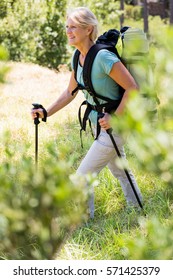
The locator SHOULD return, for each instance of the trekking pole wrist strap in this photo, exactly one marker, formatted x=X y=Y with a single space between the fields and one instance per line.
x=44 y=113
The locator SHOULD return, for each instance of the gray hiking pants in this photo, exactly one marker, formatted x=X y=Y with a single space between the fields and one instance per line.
x=101 y=154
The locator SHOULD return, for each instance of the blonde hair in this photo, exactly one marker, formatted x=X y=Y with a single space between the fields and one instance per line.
x=84 y=17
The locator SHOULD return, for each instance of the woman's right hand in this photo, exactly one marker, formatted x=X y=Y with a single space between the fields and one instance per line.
x=34 y=113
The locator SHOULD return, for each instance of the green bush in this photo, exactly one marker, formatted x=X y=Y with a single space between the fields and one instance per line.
x=19 y=29
x=38 y=209
x=133 y=12
x=3 y=10
x=3 y=67
x=33 y=31
x=153 y=241
x=151 y=141
x=51 y=46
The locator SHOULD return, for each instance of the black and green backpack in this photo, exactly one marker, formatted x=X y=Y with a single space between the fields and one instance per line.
x=130 y=45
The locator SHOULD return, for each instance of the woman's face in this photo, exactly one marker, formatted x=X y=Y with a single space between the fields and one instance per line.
x=76 y=34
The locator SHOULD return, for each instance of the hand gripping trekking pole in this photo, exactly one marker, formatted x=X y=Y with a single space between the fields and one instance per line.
x=109 y=131
x=36 y=122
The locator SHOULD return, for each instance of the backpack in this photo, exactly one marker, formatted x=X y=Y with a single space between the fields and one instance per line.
x=135 y=48
x=122 y=44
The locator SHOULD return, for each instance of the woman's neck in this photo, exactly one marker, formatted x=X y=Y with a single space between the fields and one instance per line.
x=83 y=51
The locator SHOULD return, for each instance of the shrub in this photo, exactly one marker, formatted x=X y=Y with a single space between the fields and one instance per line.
x=38 y=209
x=3 y=67
x=133 y=12
x=153 y=241
x=3 y=10
x=33 y=31
x=51 y=46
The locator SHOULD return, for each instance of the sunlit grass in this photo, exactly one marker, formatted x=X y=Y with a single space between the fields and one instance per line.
x=27 y=84
x=108 y=235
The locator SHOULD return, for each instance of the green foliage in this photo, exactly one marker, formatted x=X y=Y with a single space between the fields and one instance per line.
x=51 y=48
x=3 y=67
x=33 y=31
x=117 y=232
x=39 y=209
x=3 y=11
x=151 y=140
x=19 y=29
x=153 y=241
x=107 y=12
x=133 y=12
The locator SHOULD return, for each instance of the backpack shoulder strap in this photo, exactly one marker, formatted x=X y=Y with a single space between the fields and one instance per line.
x=88 y=66
x=75 y=66
x=75 y=62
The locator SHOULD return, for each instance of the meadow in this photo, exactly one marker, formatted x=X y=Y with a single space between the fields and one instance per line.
x=117 y=232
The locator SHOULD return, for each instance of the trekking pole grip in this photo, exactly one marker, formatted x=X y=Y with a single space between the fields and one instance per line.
x=101 y=115
x=36 y=120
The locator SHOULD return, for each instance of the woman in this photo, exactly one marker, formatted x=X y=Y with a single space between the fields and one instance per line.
x=108 y=72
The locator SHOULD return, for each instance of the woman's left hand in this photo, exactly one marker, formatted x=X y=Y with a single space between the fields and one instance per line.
x=105 y=121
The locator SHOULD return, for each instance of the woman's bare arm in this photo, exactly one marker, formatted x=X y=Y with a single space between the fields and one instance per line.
x=64 y=99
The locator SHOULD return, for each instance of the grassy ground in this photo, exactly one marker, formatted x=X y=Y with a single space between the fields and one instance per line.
x=115 y=226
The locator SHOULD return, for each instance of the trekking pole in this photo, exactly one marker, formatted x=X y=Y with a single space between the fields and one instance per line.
x=36 y=122
x=109 y=131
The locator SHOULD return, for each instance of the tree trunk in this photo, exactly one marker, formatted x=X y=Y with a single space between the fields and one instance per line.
x=122 y=15
x=171 y=11
x=145 y=16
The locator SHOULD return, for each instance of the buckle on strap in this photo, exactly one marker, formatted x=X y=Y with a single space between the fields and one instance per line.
x=79 y=87
x=98 y=108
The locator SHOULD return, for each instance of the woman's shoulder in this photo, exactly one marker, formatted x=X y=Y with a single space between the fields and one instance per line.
x=105 y=54
x=104 y=61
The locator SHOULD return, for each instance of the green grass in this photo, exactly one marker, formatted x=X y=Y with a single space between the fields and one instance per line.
x=114 y=225
x=116 y=232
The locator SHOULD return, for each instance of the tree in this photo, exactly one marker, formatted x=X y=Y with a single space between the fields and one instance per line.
x=171 y=11
x=145 y=16
x=122 y=10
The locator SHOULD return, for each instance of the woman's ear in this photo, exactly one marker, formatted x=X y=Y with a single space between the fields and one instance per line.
x=90 y=29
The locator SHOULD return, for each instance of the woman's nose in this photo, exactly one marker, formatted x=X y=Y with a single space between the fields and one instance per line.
x=68 y=29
